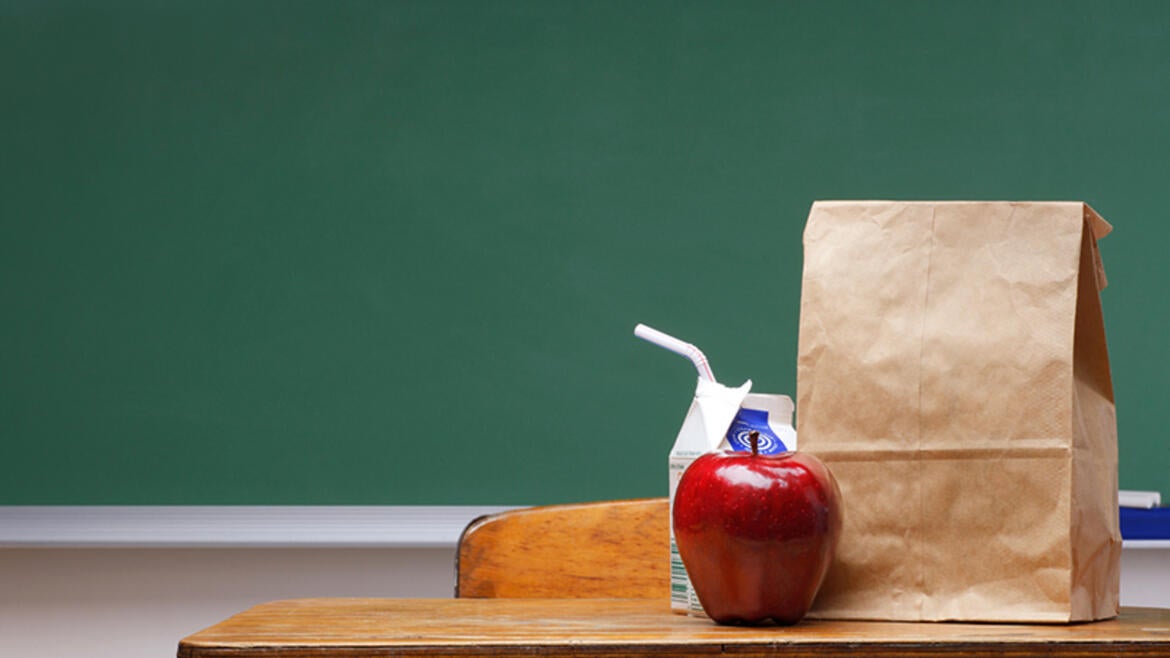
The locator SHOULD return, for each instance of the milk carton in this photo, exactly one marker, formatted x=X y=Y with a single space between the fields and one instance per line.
x=721 y=418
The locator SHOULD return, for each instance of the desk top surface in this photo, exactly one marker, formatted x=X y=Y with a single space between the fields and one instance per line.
x=372 y=627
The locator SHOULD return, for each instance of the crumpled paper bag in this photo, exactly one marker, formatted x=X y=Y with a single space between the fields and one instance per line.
x=953 y=374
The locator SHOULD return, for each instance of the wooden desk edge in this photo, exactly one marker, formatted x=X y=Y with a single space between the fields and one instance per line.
x=697 y=637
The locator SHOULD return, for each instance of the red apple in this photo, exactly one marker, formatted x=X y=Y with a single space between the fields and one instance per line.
x=757 y=532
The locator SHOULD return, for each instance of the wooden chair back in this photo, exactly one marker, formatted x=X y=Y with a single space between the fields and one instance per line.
x=613 y=549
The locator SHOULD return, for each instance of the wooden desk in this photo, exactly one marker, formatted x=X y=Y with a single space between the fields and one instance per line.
x=588 y=627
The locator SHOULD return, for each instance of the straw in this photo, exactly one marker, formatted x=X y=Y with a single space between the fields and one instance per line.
x=678 y=347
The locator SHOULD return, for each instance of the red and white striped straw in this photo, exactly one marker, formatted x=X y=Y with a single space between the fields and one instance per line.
x=678 y=347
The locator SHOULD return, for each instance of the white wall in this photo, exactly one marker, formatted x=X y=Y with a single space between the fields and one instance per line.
x=1145 y=574
x=138 y=603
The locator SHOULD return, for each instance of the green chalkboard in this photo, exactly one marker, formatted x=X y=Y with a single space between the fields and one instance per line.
x=393 y=252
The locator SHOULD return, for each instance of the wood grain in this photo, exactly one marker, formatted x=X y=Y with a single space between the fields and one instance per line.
x=617 y=549
x=351 y=628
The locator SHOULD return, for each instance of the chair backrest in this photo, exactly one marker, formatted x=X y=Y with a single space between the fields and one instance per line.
x=615 y=549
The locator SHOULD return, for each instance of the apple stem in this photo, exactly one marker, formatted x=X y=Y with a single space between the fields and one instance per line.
x=754 y=437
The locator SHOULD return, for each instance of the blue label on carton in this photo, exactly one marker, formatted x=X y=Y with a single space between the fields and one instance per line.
x=741 y=428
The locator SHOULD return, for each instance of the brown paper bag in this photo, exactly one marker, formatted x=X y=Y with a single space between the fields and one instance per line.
x=953 y=374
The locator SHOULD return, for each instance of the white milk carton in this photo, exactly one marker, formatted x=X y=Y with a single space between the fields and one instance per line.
x=721 y=418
